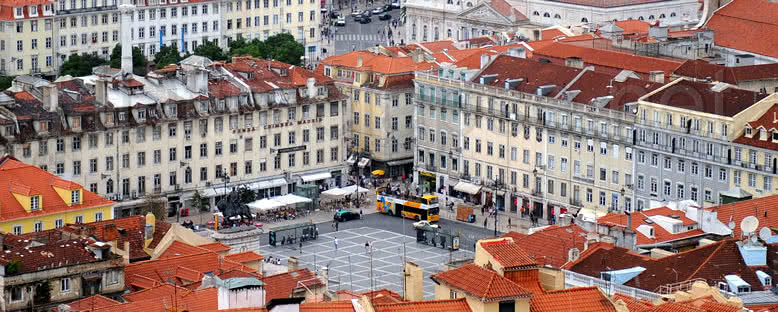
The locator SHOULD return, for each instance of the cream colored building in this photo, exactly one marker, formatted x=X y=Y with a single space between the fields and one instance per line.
x=527 y=151
x=26 y=42
x=85 y=26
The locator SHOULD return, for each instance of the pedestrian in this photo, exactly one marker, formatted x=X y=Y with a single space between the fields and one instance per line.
x=367 y=246
x=484 y=222
x=336 y=243
x=360 y=213
x=301 y=246
x=509 y=222
x=336 y=226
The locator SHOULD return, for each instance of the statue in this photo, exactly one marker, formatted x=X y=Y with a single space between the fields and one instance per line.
x=231 y=206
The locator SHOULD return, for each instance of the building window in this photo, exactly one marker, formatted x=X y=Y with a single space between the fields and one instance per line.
x=75 y=196
x=64 y=284
x=98 y=216
x=35 y=203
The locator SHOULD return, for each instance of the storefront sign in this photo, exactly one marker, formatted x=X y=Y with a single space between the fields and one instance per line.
x=428 y=174
x=292 y=149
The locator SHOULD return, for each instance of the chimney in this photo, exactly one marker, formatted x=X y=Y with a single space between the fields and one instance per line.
x=291 y=264
x=359 y=61
x=310 y=85
x=126 y=254
x=126 y=37
x=414 y=282
x=325 y=277
x=151 y=222
x=50 y=97
x=484 y=60
x=574 y=62
x=517 y=52
x=101 y=91
x=629 y=220
x=657 y=76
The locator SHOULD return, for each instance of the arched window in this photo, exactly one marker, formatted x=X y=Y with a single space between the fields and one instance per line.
x=672 y=14
x=469 y=4
x=640 y=18
x=661 y=16
x=584 y=20
x=424 y=33
x=536 y=13
x=557 y=16
x=546 y=14
x=436 y=34
x=448 y=33
x=650 y=17
x=630 y=18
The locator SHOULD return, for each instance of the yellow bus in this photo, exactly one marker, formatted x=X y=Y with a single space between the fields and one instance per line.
x=425 y=207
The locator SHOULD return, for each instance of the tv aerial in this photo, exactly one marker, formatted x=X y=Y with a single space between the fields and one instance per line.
x=749 y=224
x=731 y=225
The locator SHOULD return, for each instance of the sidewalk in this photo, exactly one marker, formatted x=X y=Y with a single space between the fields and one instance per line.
x=518 y=224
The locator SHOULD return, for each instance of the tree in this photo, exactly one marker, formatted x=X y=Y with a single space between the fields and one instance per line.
x=247 y=195
x=157 y=207
x=139 y=63
x=282 y=47
x=13 y=267
x=199 y=203
x=5 y=82
x=81 y=65
x=167 y=55
x=211 y=51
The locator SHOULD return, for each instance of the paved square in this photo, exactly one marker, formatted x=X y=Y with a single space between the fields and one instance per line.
x=350 y=264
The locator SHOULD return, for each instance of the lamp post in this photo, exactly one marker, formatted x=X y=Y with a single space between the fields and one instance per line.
x=625 y=202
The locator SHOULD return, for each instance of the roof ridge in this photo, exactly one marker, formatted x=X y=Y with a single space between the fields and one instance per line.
x=491 y=280
x=710 y=256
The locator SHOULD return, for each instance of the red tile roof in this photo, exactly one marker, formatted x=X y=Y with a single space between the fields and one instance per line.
x=54 y=254
x=284 y=285
x=437 y=46
x=734 y=24
x=551 y=33
x=329 y=306
x=581 y=299
x=243 y=257
x=633 y=26
x=215 y=247
x=384 y=296
x=708 y=304
x=16 y=176
x=633 y=304
x=178 y=269
x=605 y=58
x=446 y=305
x=222 y=88
x=130 y=229
x=508 y=254
x=551 y=245
x=698 y=96
x=507 y=10
x=710 y=262
x=203 y=300
x=93 y=302
x=661 y=235
x=379 y=63
x=700 y=69
x=159 y=291
x=177 y=248
x=765 y=209
x=482 y=283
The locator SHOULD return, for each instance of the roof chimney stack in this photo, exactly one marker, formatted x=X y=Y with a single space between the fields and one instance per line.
x=359 y=61
x=126 y=36
x=484 y=60
x=657 y=76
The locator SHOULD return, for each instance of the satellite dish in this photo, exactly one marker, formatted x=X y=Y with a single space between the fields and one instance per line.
x=749 y=224
x=765 y=234
x=731 y=225
x=753 y=239
x=573 y=254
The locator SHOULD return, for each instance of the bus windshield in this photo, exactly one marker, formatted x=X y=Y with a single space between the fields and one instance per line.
x=432 y=201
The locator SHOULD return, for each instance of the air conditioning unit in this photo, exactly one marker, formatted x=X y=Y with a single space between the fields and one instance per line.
x=134 y=195
x=119 y=197
x=188 y=137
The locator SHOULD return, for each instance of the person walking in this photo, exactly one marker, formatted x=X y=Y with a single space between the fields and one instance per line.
x=484 y=222
x=336 y=243
x=367 y=246
x=336 y=225
x=509 y=223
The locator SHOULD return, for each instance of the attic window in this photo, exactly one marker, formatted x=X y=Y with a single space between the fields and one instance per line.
x=775 y=135
x=762 y=134
x=749 y=131
x=75 y=196
x=35 y=203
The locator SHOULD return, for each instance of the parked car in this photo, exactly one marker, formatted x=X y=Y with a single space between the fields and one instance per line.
x=341 y=21
x=396 y=4
x=365 y=20
x=356 y=13
x=378 y=10
x=385 y=17
x=367 y=13
x=388 y=8
x=345 y=215
x=334 y=14
x=424 y=223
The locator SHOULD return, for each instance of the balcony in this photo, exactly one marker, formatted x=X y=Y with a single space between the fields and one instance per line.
x=575 y=202
x=157 y=189
x=87 y=10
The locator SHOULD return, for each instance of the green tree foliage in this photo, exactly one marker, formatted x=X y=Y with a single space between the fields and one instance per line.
x=246 y=195
x=282 y=47
x=157 y=207
x=13 y=267
x=81 y=65
x=211 y=51
x=168 y=54
x=200 y=203
x=5 y=82
x=139 y=63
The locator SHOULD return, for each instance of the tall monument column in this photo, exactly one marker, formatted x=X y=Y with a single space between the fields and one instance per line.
x=126 y=11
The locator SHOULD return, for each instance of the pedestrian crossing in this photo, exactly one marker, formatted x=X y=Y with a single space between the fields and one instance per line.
x=360 y=37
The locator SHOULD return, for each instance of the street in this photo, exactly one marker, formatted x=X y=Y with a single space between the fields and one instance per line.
x=356 y=36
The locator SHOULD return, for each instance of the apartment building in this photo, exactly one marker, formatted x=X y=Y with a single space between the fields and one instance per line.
x=85 y=26
x=532 y=137
x=684 y=143
x=183 y=23
x=260 y=19
x=26 y=37
x=196 y=126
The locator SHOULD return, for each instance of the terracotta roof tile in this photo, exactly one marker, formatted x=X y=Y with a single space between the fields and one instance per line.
x=446 y=305
x=606 y=59
x=438 y=46
x=765 y=209
x=378 y=63
x=187 y=266
x=480 y=282
x=17 y=176
x=92 y=302
x=283 y=285
x=734 y=24
x=159 y=291
x=551 y=245
x=633 y=304
x=215 y=247
x=177 y=248
x=551 y=33
x=383 y=296
x=508 y=253
x=243 y=257
x=581 y=299
x=204 y=300
x=698 y=96
x=661 y=235
x=507 y=10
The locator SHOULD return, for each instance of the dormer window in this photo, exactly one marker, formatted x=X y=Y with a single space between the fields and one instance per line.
x=122 y=116
x=76 y=123
x=75 y=197
x=19 y=12
x=33 y=10
x=172 y=110
x=749 y=131
x=141 y=115
x=775 y=135
x=35 y=203
x=762 y=134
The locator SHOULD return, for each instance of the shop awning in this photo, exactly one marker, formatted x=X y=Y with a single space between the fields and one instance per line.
x=291 y=199
x=351 y=160
x=271 y=183
x=363 y=162
x=469 y=188
x=264 y=205
x=399 y=162
x=316 y=176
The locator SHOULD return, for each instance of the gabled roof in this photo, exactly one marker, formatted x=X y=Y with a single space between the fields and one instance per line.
x=581 y=299
x=437 y=46
x=506 y=9
x=178 y=269
x=445 y=305
x=508 y=254
x=699 y=96
x=734 y=24
x=15 y=176
x=52 y=255
x=633 y=304
x=92 y=302
x=203 y=300
x=215 y=247
x=765 y=209
x=178 y=248
x=484 y=284
x=710 y=262
x=607 y=58
x=243 y=257
x=661 y=235
x=550 y=246
x=129 y=229
x=284 y=285
x=379 y=63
